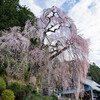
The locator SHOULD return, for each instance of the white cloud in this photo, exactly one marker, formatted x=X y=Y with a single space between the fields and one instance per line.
x=86 y=15
x=33 y=7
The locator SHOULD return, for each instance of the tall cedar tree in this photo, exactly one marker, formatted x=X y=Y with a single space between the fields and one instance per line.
x=12 y=14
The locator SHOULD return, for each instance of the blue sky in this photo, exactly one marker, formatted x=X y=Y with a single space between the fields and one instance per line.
x=86 y=15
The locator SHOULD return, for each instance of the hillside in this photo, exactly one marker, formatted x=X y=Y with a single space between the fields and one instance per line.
x=94 y=72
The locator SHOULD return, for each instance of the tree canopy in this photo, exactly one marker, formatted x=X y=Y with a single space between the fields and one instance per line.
x=94 y=73
x=12 y=14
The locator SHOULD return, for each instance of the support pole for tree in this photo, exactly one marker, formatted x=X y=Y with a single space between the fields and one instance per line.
x=91 y=94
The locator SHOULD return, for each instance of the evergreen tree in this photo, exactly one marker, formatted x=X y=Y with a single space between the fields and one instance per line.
x=94 y=72
x=12 y=14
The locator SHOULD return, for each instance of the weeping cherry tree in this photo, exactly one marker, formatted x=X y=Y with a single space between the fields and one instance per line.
x=58 y=31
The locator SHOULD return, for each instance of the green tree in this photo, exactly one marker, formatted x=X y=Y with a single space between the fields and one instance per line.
x=94 y=72
x=12 y=14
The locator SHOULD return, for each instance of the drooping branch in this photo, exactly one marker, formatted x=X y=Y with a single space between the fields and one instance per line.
x=58 y=53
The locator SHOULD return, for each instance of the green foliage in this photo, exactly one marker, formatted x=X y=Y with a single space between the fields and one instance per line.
x=26 y=92
x=18 y=89
x=15 y=86
x=48 y=98
x=0 y=33
x=26 y=73
x=2 y=83
x=66 y=98
x=3 y=68
x=38 y=80
x=34 y=91
x=7 y=95
x=46 y=47
x=20 y=94
x=21 y=90
x=35 y=42
x=55 y=97
x=29 y=87
x=39 y=97
x=1 y=90
x=12 y=14
x=4 y=60
x=6 y=81
x=94 y=72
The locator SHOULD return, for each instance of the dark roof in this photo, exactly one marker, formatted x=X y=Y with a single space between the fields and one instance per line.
x=67 y=92
x=89 y=85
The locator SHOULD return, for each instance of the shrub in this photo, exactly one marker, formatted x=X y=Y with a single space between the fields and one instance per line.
x=34 y=91
x=3 y=68
x=26 y=73
x=7 y=95
x=15 y=86
x=29 y=87
x=6 y=81
x=39 y=96
x=55 y=97
x=1 y=90
x=47 y=98
x=2 y=83
x=21 y=90
x=66 y=98
x=20 y=94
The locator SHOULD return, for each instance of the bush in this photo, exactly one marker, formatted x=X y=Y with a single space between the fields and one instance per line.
x=26 y=73
x=29 y=87
x=6 y=81
x=20 y=94
x=2 y=83
x=39 y=96
x=3 y=68
x=7 y=95
x=55 y=97
x=34 y=91
x=15 y=86
x=20 y=90
x=1 y=90
x=47 y=98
